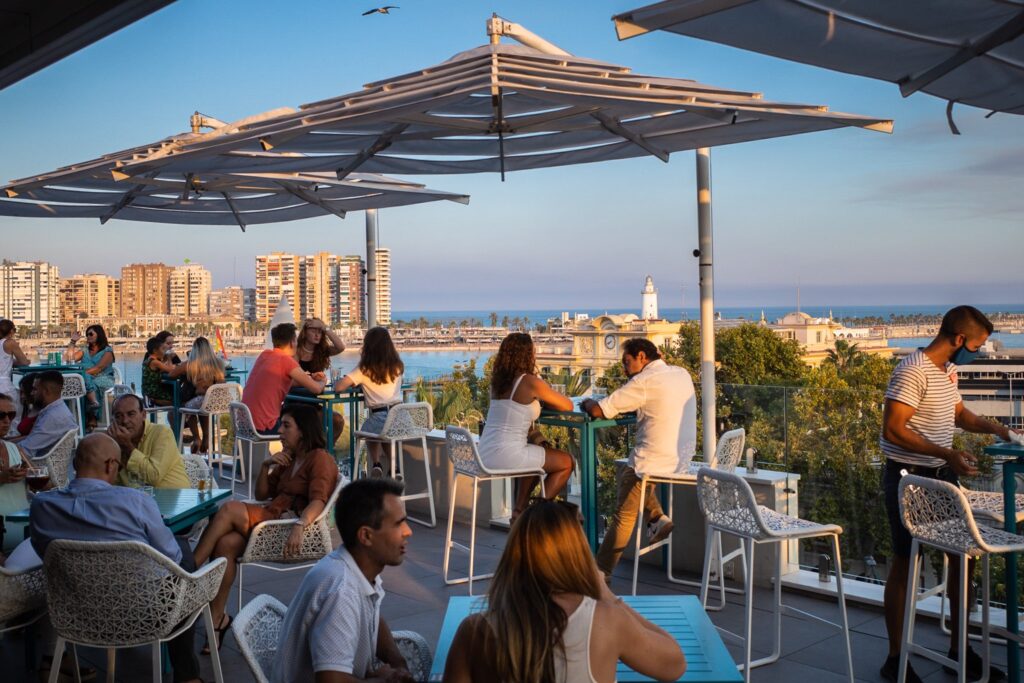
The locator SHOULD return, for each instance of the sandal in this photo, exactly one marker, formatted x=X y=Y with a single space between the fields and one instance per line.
x=86 y=673
x=220 y=632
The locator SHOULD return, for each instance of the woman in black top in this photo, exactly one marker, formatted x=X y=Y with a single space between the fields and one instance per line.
x=317 y=343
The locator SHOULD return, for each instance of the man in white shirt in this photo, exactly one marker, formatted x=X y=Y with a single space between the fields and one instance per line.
x=666 y=438
x=333 y=631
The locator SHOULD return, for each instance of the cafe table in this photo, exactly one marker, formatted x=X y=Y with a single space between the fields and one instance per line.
x=179 y=508
x=327 y=400
x=63 y=368
x=707 y=659
x=588 y=428
x=1011 y=457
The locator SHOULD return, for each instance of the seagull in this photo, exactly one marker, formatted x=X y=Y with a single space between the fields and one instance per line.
x=382 y=10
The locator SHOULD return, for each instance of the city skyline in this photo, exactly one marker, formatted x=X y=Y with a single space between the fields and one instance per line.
x=921 y=216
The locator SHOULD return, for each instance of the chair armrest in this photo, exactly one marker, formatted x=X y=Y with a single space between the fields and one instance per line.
x=266 y=542
x=203 y=584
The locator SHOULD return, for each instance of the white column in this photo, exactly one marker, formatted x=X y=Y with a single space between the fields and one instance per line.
x=705 y=243
x=371 y=268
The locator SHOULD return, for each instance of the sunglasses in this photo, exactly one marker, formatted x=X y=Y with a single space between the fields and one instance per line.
x=10 y=414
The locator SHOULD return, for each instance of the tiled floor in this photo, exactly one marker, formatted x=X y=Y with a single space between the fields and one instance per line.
x=417 y=597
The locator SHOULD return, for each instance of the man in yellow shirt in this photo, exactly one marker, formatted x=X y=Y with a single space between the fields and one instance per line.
x=149 y=451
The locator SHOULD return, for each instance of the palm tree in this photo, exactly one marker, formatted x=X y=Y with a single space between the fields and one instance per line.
x=845 y=355
x=504 y=322
x=494 y=319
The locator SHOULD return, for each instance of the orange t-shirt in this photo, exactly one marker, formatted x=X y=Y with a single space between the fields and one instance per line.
x=267 y=385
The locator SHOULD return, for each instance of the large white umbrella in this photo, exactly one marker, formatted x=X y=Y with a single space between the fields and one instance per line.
x=967 y=51
x=499 y=108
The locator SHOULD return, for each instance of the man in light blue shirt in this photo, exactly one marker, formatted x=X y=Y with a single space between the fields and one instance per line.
x=54 y=419
x=91 y=508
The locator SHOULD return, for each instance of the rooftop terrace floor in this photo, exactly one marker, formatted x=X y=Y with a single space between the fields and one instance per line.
x=417 y=598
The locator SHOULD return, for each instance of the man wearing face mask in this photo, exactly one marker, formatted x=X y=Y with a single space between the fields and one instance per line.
x=922 y=407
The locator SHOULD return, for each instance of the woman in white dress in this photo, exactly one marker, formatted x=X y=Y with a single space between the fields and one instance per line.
x=517 y=395
x=11 y=355
x=550 y=616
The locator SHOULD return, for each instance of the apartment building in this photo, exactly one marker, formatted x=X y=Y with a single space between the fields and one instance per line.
x=383 y=286
x=144 y=289
x=30 y=293
x=233 y=302
x=189 y=290
x=92 y=295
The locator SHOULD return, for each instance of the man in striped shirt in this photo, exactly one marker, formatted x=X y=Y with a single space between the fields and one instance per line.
x=922 y=408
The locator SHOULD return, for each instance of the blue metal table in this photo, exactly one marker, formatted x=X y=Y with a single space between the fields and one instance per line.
x=707 y=660
x=1011 y=468
x=327 y=400
x=587 y=427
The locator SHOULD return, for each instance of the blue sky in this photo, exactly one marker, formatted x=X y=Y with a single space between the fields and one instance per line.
x=854 y=217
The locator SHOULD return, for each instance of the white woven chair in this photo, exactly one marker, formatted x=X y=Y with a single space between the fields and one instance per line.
x=729 y=506
x=257 y=630
x=196 y=470
x=726 y=457
x=107 y=400
x=22 y=598
x=57 y=460
x=73 y=393
x=266 y=542
x=466 y=462
x=938 y=514
x=124 y=594
x=246 y=438
x=216 y=402
x=405 y=422
x=153 y=411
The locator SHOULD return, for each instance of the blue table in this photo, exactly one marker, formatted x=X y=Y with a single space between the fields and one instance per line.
x=327 y=400
x=1011 y=468
x=588 y=427
x=707 y=660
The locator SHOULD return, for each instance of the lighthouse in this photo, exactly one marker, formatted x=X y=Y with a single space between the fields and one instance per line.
x=649 y=300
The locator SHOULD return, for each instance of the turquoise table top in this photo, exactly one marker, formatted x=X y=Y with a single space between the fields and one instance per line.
x=707 y=660
x=1005 y=448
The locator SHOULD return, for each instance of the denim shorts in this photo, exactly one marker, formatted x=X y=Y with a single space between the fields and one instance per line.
x=891 y=476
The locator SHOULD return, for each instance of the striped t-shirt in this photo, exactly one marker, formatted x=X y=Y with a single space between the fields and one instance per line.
x=933 y=394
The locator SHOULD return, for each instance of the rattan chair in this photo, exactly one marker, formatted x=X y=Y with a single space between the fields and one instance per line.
x=246 y=438
x=73 y=392
x=58 y=459
x=265 y=547
x=107 y=400
x=405 y=422
x=124 y=594
x=216 y=402
x=22 y=598
x=729 y=506
x=466 y=462
x=938 y=514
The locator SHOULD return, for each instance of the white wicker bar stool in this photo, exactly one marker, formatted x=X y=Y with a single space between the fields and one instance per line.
x=246 y=438
x=58 y=459
x=938 y=514
x=729 y=506
x=405 y=422
x=73 y=393
x=727 y=455
x=107 y=400
x=215 y=403
x=465 y=459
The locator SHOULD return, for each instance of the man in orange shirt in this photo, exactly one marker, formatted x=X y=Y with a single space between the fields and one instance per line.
x=272 y=375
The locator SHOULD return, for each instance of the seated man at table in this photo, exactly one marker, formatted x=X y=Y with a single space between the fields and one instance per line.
x=54 y=419
x=333 y=630
x=273 y=374
x=149 y=452
x=666 y=437
x=91 y=508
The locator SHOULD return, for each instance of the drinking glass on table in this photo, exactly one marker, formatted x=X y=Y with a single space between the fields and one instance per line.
x=37 y=478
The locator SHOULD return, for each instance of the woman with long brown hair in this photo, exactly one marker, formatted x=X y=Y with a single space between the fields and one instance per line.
x=550 y=617
x=379 y=373
x=517 y=394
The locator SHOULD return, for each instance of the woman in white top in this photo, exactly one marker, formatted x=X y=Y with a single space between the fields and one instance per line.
x=11 y=355
x=379 y=373
x=13 y=464
x=516 y=398
x=551 y=618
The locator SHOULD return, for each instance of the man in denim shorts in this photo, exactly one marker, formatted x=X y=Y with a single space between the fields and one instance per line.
x=922 y=408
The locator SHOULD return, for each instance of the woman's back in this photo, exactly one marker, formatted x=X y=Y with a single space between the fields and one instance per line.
x=6 y=365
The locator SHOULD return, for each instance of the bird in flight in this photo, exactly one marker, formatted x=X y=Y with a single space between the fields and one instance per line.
x=382 y=10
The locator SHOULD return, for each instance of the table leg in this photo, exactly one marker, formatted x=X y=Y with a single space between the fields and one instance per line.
x=1010 y=523
x=329 y=426
x=175 y=425
x=588 y=483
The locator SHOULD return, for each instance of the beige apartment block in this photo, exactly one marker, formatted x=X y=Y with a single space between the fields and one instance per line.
x=189 y=290
x=144 y=289
x=92 y=295
x=383 y=286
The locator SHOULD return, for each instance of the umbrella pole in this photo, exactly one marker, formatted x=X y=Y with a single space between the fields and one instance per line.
x=371 y=268
x=705 y=244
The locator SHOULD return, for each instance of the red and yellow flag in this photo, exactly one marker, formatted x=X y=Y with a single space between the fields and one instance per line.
x=220 y=344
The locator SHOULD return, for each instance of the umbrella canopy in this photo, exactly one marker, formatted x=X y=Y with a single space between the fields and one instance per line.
x=969 y=51
x=99 y=189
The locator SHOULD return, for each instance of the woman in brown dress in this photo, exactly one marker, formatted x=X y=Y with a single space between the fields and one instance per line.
x=297 y=480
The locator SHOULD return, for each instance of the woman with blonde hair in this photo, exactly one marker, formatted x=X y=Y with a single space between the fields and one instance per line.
x=517 y=394
x=202 y=369
x=551 y=618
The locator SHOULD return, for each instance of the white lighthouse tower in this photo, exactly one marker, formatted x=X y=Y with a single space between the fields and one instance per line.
x=649 y=300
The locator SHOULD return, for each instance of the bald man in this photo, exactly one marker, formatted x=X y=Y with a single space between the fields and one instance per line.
x=91 y=508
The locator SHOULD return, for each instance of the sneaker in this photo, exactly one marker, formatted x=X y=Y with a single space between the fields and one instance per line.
x=659 y=529
x=974 y=667
x=890 y=671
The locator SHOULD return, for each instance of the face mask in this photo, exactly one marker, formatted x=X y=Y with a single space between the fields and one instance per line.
x=964 y=356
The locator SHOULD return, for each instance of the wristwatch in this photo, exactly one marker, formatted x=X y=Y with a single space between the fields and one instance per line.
x=299 y=522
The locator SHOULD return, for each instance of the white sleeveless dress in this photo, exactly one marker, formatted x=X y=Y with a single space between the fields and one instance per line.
x=574 y=665
x=6 y=367
x=503 y=444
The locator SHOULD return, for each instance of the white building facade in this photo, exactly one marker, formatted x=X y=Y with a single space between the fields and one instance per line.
x=30 y=293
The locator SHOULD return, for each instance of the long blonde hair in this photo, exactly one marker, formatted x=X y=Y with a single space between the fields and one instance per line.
x=204 y=368
x=546 y=553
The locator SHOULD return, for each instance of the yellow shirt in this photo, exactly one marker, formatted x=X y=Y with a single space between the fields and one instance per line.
x=157 y=460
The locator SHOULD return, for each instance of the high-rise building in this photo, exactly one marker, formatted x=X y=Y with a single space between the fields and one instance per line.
x=144 y=289
x=189 y=290
x=93 y=295
x=279 y=276
x=320 y=293
x=30 y=293
x=383 y=286
x=233 y=302
x=350 y=291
